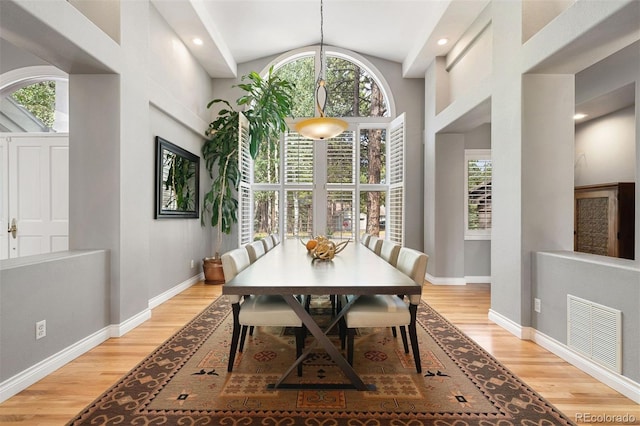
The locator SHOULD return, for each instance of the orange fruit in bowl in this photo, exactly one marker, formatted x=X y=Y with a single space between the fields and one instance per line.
x=311 y=244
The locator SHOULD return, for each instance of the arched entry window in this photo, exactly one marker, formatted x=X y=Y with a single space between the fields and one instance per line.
x=341 y=187
x=34 y=100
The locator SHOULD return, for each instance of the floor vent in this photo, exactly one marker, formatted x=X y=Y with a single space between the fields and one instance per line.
x=595 y=331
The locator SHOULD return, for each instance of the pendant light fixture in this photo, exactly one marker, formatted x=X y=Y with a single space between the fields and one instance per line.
x=321 y=127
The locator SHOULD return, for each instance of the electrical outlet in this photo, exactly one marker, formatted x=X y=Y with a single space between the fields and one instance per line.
x=41 y=329
x=192 y=263
x=536 y=305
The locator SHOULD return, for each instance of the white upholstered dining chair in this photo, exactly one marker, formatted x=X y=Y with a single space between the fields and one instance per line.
x=365 y=239
x=268 y=243
x=276 y=239
x=255 y=250
x=374 y=244
x=389 y=251
x=390 y=310
x=256 y=310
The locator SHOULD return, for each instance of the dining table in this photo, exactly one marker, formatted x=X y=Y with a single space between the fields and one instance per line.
x=290 y=270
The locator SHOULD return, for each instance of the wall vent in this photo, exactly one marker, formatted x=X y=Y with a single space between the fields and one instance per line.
x=595 y=331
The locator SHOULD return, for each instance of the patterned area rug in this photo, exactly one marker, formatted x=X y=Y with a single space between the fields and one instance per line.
x=185 y=381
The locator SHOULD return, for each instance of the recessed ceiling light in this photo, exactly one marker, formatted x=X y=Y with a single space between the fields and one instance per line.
x=579 y=116
x=442 y=41
x=197 y=41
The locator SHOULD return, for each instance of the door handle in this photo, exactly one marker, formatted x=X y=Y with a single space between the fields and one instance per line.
x=13 y=229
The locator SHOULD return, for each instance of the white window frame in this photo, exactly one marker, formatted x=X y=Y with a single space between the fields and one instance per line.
x=469 y=155
x=320 y=187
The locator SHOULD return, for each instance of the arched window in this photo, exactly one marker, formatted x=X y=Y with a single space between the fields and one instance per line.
x=339 y=187
x=34 y=100
x=355 y=88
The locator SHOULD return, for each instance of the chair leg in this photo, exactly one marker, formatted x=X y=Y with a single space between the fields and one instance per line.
x=234 y=336
x=251 y=331
x=351 y=333
x=300 y=332
x=394 y=332
x=342 y=324
x=243 y=337
x=307 y=302
x=413 y=335
x=342 y=332
x=403 y=333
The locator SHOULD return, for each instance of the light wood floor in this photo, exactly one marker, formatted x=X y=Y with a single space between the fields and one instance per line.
x=57 y=398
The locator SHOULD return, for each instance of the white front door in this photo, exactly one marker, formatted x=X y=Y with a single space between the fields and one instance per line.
x=37 y=193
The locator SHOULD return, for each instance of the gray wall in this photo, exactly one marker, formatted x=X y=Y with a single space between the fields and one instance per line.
x=458 y=258
x=449 y=234
x=606 y=148
x=69 y=290
x=173 y=243
x=121 y=97
x=585 y=52
x=609 y=282
x=14 y=57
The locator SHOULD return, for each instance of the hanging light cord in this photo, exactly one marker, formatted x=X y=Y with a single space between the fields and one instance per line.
x=321 y=127
x=320 y=83
x=321 y=40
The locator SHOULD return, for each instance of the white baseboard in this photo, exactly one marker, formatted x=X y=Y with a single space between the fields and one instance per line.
x=445 y=280
x=618 y=382
x=119 y=330
x=161 y=298
x=479 y=279
x=511 y=326
x=467 y=279
x=31 y=375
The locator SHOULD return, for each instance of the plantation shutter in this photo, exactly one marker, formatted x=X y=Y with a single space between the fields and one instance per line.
x=298 y=158
x=298 y=183
x=478 y=188
x=341 y=159
x=341 y=179
x=395 y=204
x=245 y=165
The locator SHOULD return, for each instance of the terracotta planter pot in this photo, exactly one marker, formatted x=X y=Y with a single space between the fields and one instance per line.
x=213 y=273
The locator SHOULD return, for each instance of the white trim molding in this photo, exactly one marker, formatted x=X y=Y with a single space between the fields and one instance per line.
x=119 y=330
x=31 y=375
x=445 y=280
x=616 y=381
x=36 y=372
x=161 y=298
x=467 y=279
x=620 y=383
x=510 y=325
x=471 y=279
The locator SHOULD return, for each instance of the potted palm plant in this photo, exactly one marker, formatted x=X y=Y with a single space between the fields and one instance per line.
x=267 y=102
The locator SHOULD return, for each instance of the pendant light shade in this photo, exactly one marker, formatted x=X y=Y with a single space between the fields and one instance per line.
x=321 y=127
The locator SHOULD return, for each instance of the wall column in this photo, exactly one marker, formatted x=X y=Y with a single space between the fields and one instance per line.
x=506 y=151
x=547 y=173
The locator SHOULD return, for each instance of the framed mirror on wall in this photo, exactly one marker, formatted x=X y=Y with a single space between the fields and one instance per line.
x=177 y=181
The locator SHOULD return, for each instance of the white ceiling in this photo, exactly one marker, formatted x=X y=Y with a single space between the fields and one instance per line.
x=238 y=31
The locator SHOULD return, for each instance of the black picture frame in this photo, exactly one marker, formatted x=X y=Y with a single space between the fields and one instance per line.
x=177 y=182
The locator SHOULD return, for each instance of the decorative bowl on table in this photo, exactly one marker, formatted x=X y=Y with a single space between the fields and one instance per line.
x=322 y=248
